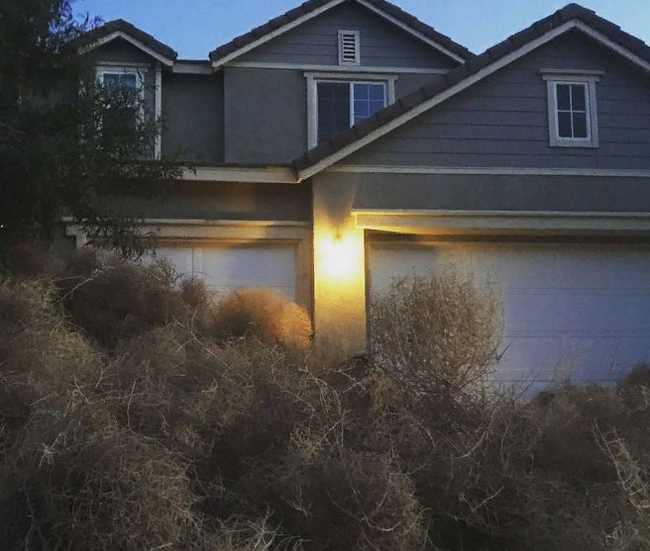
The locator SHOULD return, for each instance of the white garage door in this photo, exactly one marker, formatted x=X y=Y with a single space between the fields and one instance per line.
x=578 y=311
x=229 y=267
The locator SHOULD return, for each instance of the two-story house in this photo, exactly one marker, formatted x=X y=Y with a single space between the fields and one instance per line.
x=345 y=143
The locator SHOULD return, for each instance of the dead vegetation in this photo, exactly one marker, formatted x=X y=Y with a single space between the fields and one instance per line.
x=178 y=428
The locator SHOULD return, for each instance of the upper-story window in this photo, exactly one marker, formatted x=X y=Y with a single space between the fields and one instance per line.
x=344 y=104
x=337 y=101
x=572 y=107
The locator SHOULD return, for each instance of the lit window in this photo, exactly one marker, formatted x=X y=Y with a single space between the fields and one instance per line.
x=572 y=115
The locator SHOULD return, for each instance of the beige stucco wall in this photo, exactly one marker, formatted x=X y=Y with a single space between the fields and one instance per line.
x=339 y=264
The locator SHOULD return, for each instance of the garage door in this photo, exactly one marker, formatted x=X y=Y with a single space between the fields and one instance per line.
x=226 y=268
x=578 y=311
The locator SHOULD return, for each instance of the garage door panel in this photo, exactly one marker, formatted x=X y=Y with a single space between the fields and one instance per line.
x=608 y=311
x=531 y=311
x=580 y=311
x=530 y=359
x=226 y=267
x=605 y=358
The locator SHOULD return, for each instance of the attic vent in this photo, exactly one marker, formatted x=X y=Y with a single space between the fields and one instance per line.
x=349 y=48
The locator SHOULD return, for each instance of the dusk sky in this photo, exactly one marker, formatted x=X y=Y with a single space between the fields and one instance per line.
x=195 y=27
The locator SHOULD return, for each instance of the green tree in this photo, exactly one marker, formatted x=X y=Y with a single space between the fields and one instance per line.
x=69 y=145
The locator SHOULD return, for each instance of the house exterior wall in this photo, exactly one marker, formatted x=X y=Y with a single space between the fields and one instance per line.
x=209 y=201
x=265 y=115
x=503 y=120
x=316 y=42
x=193 y=114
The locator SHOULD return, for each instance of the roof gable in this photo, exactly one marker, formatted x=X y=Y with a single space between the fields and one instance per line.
x=443 y=87
x=313 y=8
x=120 y=29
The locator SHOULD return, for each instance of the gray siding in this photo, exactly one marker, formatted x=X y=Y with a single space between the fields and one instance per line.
x=382 y=43
x=499 y=192
x=265 y=116
x=193 y=113
x=503 y=120
x=121 y=51
x=228 y=201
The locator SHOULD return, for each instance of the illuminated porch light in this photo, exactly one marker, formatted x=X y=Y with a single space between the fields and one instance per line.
x=339 y=257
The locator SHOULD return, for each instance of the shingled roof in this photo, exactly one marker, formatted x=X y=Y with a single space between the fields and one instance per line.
x=119 y=25
x=442 y=83
x=313 y=5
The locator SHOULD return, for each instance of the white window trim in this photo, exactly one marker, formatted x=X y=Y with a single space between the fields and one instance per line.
x=553 y=77
x=312 y=95
x=102 y=70
x=357 y=46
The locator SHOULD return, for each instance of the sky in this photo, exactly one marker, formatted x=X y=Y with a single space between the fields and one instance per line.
x=195 y=27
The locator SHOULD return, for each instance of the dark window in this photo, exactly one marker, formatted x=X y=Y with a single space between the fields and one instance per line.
x=572 y=111
x=333 y=109
x=343 y=104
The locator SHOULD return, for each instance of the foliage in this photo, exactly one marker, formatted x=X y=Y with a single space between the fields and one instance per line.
x=438 y=334
x=67 y=148
x=177 y=436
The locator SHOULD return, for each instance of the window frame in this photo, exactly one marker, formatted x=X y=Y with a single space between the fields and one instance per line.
x=588 y=80
x=102 y=70
x=313 y=79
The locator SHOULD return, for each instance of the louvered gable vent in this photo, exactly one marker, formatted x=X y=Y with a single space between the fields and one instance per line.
x=349 y=48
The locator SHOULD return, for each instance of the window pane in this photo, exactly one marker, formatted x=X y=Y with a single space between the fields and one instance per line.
x=579 y=125
x=377 y=92
x=333 y=108
x=361 y=91
x=563 y=101
x=564 y=125
x=128 y=80
x=578 y=93
x=368 y=99
x=111 y=80
x=361 y=110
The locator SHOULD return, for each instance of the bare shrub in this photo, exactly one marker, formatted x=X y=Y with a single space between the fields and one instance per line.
x=113 y=299
x=436 y=335
x=266 y=315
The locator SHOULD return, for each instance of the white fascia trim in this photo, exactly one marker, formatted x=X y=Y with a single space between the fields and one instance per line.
x=498 y=171
x=198 y=68
x=412 y=31
x=466 y=83
x=424 y=107
x=498 y=213
x=627 y=54
x=337 y=68
x=120 y=34
x=69 y=221
x=277 y=32
x=270 y=175
x=158 y=109
x=439 y=222
x=322 y=9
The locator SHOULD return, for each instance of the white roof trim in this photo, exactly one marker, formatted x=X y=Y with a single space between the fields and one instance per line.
x=493 y=171
x=266 y=175
x=277 y=32
x=121 y=34
x=439 y=222
x=466 y=83
x=338 y=68
x=281 y=30
x=410 y=30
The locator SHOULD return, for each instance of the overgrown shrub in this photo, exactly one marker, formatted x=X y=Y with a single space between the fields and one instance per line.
x=194 y=434
x=438 y=334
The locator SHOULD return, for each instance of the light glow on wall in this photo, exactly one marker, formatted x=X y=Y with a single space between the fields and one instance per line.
x=339 y=257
